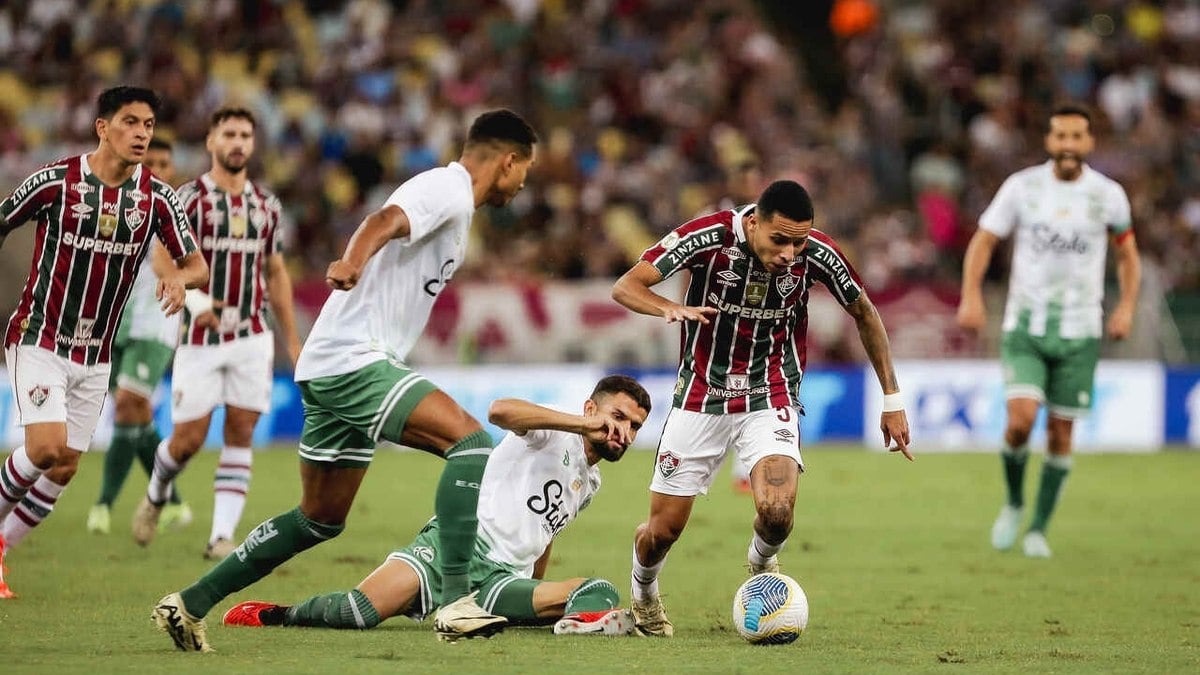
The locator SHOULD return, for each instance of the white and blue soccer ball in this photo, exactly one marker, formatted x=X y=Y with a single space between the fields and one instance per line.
x=770 y=609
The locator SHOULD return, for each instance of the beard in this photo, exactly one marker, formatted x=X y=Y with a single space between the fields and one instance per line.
x=233 y=165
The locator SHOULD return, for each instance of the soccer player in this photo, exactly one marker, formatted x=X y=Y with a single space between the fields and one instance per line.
x=141 y=353
x=538 y=479
x=742 y=358
x=97 y=214
x=358 y=391
x=226 y=353
x=1063 y=213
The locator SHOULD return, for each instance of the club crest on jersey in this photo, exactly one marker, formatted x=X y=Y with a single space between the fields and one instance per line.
x=134 y=218
x=38 y=395
x=756 y=291
x=107 y=224
x=668 y=463
x=83 y=188
x=786 y=283
x=83 y=329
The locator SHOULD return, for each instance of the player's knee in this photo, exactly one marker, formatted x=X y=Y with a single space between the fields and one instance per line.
x=186 y=442
x=1017 y=432
x=776 y=518
x=661 y=534
x=64 y=468
x=131 y=408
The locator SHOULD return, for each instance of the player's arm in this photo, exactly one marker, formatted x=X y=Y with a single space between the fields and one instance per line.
x=518 y=416
x=633 y=291
x=971 y=311
x=279 y=290
x=893 y=423
x=373 y=232
x=543 y=561
x=160 y=260
x=1129 y=278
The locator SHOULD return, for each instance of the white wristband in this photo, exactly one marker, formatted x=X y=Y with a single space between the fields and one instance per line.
x=197 y=302
x=893 y=402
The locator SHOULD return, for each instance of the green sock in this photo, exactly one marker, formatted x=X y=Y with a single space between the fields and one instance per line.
x=593 y=595
x=117 y=461
x=268 y=546
x=145 y=455
x=1014 y=460
x=455 y=504
x=336 y=610
x=1054 y=475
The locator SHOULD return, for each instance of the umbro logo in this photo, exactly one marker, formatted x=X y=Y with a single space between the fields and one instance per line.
x=729 y=275
x=784 y=435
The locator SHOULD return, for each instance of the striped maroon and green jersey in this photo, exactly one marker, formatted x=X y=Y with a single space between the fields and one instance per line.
x=89 y=246
x=237 y=233
x=751 y=355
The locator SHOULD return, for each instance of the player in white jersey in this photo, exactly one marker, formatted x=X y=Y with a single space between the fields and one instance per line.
x=142 y=351
x=1062 y=214
x=538 y=480
x=226 y=350
x=96 y=215
x=357 y=390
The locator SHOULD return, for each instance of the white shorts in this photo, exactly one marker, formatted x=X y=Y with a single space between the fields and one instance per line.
x=51 y=388
x=693 y=445
x=238 y=373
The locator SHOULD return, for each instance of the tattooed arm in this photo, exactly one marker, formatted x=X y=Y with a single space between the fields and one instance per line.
x=894 y=425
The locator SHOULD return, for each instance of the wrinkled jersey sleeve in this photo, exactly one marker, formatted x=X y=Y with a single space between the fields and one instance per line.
x=829 y=266
x=688 y=244
x=173 y=229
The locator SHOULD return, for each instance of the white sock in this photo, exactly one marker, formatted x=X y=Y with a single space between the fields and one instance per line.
x=33 y=509
x=761 y=552
x=17 y=475
x=644 y=579
x=165 y=470
x=230 y=485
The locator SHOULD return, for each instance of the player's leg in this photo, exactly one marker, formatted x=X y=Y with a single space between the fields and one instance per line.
x=196 y=389
x=769 y=441
x=690 y=451
x=81 y=400
x=247 y=394
x=1025 y=375
x=586 y=607
x=143 y=366
x=39 y=386
x=1068 y=397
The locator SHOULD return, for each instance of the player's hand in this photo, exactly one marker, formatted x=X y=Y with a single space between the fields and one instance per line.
x=686 y=313
x=1120 y=323
x=603 y=428
x=170 y=294
x=894 y=426
x=211 y=319
x=971 y=313
x=341 y=275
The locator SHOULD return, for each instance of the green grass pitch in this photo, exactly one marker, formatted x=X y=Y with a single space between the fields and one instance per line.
x=894 y=557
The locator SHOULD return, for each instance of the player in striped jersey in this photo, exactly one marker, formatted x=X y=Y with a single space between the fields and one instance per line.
x=540 y=478
x=226 y=351
x=96 y=215
x=742 y=357
x=358 y=391
x=142 y=351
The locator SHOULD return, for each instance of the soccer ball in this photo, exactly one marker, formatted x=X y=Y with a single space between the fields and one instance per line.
x=770 y=609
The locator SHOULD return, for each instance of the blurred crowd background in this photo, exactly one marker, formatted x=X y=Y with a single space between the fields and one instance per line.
x=901 y=117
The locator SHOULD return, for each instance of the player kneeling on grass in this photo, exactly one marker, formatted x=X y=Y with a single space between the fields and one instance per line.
x=539 y=478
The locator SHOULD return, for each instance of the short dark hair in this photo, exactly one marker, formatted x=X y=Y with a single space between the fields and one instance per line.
x=787 y=197
x=503 y=126
x=1070 y=109
x=622 y=384
x=160 y=144
x=113 y=99
x=229 y=113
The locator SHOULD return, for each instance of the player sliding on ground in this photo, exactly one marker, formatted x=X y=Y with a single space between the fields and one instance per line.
x=358 y=391
x=537 y=481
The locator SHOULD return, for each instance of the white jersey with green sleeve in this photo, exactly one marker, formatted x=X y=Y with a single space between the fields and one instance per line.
x=384 y=314
x=534 y=486
x=144 y=318
x=1062 y=230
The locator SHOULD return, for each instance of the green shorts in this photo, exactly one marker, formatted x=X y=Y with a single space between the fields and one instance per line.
x=139 y=365
x=502 y=590
x=345 y=416
x=1057 y=371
